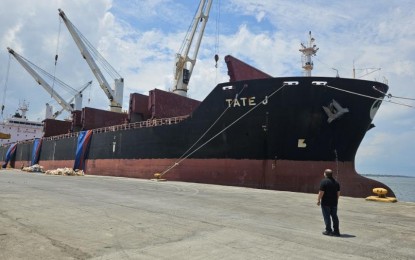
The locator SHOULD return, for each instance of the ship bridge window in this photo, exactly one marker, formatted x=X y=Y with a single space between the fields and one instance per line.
x=24 y=123
x=319 y=83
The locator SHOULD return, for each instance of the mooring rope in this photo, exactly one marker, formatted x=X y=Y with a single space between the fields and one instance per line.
x=362 y=95
x=392 y=96
x=264 y=101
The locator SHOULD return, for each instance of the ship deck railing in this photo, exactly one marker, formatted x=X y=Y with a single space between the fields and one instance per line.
x=135 y=125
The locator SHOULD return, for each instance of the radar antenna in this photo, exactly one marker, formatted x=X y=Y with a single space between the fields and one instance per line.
x=308 y=51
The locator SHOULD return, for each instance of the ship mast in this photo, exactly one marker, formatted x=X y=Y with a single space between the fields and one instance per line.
x=24 y=107
x=308 y=51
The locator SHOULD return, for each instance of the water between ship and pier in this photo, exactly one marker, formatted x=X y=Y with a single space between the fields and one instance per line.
x=402 y=186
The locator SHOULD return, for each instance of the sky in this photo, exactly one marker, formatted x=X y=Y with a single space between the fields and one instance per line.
x=140 y=39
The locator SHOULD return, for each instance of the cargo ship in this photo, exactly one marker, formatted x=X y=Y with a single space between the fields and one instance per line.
x=256 y=131
x=18 y=127
x=269 y=133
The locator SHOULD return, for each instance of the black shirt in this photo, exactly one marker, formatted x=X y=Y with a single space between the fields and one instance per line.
x=330 y=187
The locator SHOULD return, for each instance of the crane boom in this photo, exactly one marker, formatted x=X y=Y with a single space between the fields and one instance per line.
x=77 y=98
x=115 y=95
x=184 y=63
x=65 y=105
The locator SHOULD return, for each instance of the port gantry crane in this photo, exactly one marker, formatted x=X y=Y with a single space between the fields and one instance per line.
x=115 y=95
x=32 y=69
x=184 y=63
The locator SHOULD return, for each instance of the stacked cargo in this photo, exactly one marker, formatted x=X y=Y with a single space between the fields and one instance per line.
x=52 y=127
x=96 y=118
x=138 y=108
x=163 y=104
x=76 y=121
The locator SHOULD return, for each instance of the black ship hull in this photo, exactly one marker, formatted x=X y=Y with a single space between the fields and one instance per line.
x=277 y=133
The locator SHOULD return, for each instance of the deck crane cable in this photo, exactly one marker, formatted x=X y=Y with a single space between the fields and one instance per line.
x=89 y=95
x=97 y=56
x=56 y=81
x=41 y=80
x=57 y=42
x=48 y=75
x=264 y=101
x=217 y=39
x=217 y=33
x=56 y=55
x=80 y=90
x=186 y=38
x=5 y=85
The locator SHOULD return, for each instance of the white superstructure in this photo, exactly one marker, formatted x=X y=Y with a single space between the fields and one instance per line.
x=19 y=128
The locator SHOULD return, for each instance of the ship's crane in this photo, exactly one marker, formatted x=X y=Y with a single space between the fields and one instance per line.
x=115 y=95
x=184 y=63
x=78 y=104
x=32 y=69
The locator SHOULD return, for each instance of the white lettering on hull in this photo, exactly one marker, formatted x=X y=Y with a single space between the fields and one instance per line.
x=301 y=143
x=241 y=102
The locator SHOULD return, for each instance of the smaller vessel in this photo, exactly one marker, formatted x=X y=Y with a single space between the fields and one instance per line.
x=18 y=128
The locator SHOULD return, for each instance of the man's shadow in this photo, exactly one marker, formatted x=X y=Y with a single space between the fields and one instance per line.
x=347 y=236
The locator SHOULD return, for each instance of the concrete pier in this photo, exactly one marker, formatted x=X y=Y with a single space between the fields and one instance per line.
x=94 y=217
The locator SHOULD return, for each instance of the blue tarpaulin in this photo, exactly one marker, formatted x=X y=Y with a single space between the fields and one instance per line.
x=82 y=147
x=37 y=144
x=11 y=152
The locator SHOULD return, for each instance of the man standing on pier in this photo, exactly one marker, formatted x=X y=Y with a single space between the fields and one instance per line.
x=328 y=197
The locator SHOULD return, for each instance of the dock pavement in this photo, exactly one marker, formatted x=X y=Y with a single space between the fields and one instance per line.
x=97 y=217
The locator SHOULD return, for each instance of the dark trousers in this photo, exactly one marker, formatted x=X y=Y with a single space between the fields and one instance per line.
x=330 y=213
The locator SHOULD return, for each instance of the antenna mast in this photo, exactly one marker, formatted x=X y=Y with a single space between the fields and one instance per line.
x=308 y=51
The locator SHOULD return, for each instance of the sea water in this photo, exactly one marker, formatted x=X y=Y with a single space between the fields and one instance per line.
x=403 y=187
